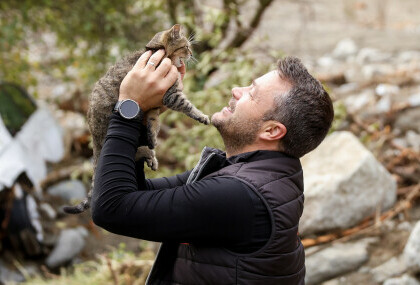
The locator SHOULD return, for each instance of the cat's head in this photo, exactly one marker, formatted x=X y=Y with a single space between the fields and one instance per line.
x=176 y=45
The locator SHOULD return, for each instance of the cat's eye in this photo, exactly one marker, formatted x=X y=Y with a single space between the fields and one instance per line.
x=182 y=48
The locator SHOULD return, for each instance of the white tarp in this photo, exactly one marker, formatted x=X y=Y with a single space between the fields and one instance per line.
x=39 y=140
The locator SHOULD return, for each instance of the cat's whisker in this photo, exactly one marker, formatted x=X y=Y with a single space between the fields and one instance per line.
x=194 y=42
x=193 y=59
x=191 y=37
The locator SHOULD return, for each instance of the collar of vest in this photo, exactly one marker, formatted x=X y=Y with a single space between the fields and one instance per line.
x=213 y=159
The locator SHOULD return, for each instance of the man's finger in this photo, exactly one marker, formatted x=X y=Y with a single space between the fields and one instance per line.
x=141 y=62
x=172 y=76
x=164 y=67
x=154 y=60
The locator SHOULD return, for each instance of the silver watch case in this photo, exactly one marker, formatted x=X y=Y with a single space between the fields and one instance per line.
x=128 y=109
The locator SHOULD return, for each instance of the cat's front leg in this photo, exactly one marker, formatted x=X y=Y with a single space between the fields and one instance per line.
x=176 y=100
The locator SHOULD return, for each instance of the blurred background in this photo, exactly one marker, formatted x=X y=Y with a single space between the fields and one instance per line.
x=365 y=230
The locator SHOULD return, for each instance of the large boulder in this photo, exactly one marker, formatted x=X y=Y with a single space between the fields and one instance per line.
x=344 y=184
x=412 y=249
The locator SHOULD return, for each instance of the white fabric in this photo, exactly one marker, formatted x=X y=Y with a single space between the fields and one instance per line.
x=39 y=140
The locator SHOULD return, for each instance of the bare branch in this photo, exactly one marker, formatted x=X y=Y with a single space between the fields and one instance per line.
x=244 y=33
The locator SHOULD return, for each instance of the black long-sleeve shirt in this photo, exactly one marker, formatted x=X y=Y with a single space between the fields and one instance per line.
x=218 y=211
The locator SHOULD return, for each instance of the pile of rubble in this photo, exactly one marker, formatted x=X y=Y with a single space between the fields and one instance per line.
x=362 y=184
x=31 y=233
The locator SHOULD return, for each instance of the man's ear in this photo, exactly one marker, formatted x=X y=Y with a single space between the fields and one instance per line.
x=272 y=130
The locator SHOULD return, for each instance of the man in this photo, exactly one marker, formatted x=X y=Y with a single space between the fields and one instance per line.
x=234 y=218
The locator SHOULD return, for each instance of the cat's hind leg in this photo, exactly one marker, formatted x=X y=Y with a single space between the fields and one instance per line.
x=153 y=127
x=149 y=155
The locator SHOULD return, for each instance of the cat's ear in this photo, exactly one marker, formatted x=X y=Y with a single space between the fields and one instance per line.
x=176 y=31
x=156 y=42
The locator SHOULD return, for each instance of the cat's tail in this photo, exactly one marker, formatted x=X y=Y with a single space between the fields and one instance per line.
x=78 y=209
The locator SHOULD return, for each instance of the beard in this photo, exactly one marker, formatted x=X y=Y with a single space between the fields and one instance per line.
x=237 y=133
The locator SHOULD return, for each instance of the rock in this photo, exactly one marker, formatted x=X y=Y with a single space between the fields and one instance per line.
x=8 y=275
x=383 y=105
x=68 y=190
x=413 y=140
x=414 y=100
x=393 y=267
x=347 y=88
x=336 y=281
x=356 y=103
x=345 y=48
x=408 y=120
x=387 y=89
x=325 y=61
x=48 y=210
x=408 y=56
x=412 y=249
x=342 y=174
x=405 y=226
x=372 y=71
x=335 y=260
x=403 y=280
x=401 y=142
x=369 y=55
x=69 y=244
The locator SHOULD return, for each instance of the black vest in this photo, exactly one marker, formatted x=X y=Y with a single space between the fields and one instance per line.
x=279 y=183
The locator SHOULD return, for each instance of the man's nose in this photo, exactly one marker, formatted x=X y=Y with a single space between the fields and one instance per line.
x=236 y=93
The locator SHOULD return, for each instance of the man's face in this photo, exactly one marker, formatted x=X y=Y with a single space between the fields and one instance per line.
x=239 y=123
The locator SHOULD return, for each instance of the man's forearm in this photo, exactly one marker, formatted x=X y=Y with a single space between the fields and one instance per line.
x=219 y=210
x=112 y=180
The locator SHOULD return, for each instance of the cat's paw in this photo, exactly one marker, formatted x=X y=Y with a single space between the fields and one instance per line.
x=205 y=120
x=152 y=163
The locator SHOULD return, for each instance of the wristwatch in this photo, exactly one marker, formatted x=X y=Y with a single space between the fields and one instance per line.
x=128 y=109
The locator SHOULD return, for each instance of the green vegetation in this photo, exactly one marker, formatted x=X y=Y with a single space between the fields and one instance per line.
x=90 y=35
x=117 y=267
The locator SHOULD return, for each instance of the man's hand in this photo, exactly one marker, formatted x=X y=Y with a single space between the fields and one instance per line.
x=145 y=83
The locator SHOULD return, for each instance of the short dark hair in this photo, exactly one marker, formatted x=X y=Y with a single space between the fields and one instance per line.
x=306 y=109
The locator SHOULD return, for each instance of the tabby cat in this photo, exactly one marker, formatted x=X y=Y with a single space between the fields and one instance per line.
x=106 y=91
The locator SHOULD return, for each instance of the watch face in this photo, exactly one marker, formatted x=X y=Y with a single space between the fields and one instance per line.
x=129 y=109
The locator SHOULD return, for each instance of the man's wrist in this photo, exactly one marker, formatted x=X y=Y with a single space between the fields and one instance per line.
x=141 y=104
